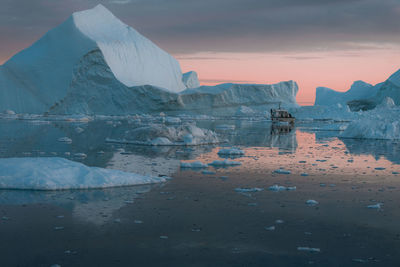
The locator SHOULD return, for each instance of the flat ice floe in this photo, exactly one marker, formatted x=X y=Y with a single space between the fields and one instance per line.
x=224 y=163
x=58 y=173
x=193 y=165
x=162 y=135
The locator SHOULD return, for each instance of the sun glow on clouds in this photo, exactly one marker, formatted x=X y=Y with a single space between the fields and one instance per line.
x=333 y=69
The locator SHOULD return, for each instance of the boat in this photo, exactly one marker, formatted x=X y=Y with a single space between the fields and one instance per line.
x=282 y=115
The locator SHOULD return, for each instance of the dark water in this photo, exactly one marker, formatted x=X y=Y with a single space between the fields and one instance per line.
x=206 y=221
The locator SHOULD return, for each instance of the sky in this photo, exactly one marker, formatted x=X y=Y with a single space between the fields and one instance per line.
x=329 y=43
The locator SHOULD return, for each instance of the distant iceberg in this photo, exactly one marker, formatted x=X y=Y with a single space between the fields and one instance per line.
x=359 y=90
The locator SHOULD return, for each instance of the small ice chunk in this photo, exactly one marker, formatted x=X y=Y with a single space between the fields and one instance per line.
x=59 y=228
x=65 y=139
x=308 y=249
x=138 y=221
x=248 y=190
x=281 y=188
x=270 y=228
x=80 y=155
x=231 y=152
x=193 y=165
x=304 y=174
x=380 y=168
x=79 y=130
x=282 y=171
x=163 y=237
x=279 y=221
x=224 y=163
x=375 y=206
x=312 y=202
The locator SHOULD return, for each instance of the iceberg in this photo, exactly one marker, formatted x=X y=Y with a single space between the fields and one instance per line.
x=38 y=77
x=59 y=173
x=359 y=90
x=190 y=79
x=94 y=64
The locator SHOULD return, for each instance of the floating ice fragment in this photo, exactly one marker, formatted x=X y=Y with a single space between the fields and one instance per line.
x=80 y=155
x=375 y=206
x=281 y=188
x=65 y=139
x=138 y=221
x=224 y=163
x=282 y=171
x=312 y=202
x=163 y=237
x=279 y=221
x=380 y=168
x=193 y=165
x=248 y=190
x=304 y=174
x=270 y=228
x=308 y=249
x=59 y=228
x=231 y=152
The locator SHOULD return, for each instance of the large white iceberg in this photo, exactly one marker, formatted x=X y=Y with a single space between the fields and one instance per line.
x=95 y=64
x=60 y=173
x=38 y=77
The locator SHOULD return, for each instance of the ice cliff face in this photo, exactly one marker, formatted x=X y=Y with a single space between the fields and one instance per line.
x=41 y=75
x=359 y=90
x=92 y=79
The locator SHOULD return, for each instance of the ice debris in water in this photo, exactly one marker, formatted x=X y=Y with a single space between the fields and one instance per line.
x=308 y=249
x=231 y=152
x=375 y=206
x=304 y=174
x=224 y=163
x=281 y=188
x=270 y=228
x=312 y=202
x=248 y=190
x=279 y=221
x=282 y=171
x=193 y=165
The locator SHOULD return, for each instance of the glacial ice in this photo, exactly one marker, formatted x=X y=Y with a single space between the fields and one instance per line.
x=59 y=173
x=359 y=90
x=41 y=75
x=94 y=64
x=162 y=135
x=190 y=79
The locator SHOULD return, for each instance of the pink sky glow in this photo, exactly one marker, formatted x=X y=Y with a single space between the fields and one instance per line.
x=336 y=69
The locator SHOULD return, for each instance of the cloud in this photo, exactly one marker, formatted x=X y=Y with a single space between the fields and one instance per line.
x=189 y=26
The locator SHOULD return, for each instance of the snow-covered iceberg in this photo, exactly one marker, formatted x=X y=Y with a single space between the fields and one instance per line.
x=95 y=64
x=38 y=77
x=60 y=173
